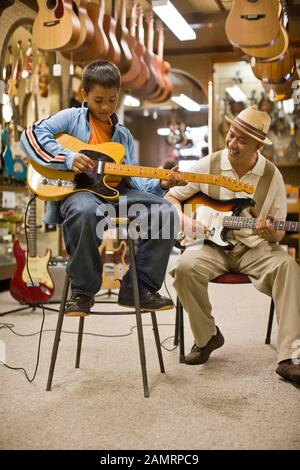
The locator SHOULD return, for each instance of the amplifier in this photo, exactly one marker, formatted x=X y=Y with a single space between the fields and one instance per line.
x=57 y=270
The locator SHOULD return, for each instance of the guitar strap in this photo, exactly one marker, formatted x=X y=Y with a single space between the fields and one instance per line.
x=261 y=189
x=215 y=169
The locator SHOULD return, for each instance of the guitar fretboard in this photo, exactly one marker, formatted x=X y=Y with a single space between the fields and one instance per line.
x=146 y=172
x=32 y=232
x=234 y=222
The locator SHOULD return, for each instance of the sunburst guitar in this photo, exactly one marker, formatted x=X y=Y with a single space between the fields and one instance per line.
x=222 y=216
x=108 y=171
x=36 y=286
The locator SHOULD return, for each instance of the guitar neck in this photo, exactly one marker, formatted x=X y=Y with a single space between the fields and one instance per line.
x=32 y=232
x=245 y=222
x=146 y=172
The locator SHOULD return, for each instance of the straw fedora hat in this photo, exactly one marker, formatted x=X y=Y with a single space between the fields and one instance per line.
x=253 y=122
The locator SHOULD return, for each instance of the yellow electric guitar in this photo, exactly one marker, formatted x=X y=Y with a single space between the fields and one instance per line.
x=108 y=171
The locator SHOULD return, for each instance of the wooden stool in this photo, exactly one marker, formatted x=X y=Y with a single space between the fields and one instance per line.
x=227 y=278
x=137 y=312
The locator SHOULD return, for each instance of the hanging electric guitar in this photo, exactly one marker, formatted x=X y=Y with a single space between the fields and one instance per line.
x=14 y=156
x=114 y=266
x=221 y=216
x=21 y=287
x=53 y=185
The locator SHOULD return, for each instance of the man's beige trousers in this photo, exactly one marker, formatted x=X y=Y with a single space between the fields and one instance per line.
x=271 y=270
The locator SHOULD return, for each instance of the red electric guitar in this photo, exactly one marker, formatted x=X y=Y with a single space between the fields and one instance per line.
x=21 y=287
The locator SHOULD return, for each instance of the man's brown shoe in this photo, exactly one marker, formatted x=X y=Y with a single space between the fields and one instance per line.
x=289 y=371
x=201 y=355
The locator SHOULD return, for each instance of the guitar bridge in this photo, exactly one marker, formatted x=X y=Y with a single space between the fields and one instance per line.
x=51 y=23
x=252 y=17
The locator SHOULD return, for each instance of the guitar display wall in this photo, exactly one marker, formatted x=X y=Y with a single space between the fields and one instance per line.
x=84 y=31
x=260 y=30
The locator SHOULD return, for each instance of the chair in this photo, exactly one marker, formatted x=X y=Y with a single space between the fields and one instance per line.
x=137 y=312
x=226 y=278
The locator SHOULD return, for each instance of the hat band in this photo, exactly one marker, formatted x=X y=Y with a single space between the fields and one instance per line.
x=249 y=128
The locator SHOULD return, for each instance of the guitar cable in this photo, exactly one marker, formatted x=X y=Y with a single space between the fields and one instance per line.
x=40 y=332
x=30 y=380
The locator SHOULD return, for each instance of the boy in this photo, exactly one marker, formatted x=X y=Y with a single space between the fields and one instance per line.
x=94 y=123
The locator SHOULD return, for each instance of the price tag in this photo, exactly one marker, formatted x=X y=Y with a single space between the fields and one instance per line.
x=8 y=199
x=56 y=70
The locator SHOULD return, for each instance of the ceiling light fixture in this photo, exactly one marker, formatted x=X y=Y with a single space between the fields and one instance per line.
x=187 y=103
x=131 y=101
x=163 y=131
x=173 y=19
x=236 y=93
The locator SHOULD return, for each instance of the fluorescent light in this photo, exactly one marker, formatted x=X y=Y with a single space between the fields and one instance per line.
x=131 y=101
x=173 y=19
x=163 y=131
x=186 y=102
x=288 y=106
x=236 y=93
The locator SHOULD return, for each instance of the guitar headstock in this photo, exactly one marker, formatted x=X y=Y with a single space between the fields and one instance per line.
x=233 y=184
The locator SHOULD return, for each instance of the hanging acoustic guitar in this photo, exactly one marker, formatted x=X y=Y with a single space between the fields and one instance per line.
x=21 y=287
x=252 y=23
x=222 y=216
x=55 y=185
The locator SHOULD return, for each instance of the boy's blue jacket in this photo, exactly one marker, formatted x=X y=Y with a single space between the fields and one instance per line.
x=40 y=145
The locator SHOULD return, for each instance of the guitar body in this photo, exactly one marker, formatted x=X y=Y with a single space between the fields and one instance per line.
x=211 y=212
x=252 y=23
x=122 y=36
x=271 y=53
x=114 y=51
x=276 y=72
x=114 y=266
x=87 y=29
x=99 y=45
x=56 y=26
x=144 y=74
x=281 y=91
x=152 y=85
x=52 y=185
x=21 y=287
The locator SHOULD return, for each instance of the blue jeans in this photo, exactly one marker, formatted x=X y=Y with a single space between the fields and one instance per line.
x=84 y=213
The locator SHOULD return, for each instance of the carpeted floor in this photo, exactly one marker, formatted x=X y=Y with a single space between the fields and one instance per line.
x=235 y=401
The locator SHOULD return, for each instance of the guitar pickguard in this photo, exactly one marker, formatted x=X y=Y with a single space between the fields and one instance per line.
x=213 y=220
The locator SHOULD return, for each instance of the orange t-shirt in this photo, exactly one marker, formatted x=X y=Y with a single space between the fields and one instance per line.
x=100 y=131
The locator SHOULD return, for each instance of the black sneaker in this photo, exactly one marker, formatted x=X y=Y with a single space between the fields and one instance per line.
x=201 y=355
x=79 y=305
x=149 y=298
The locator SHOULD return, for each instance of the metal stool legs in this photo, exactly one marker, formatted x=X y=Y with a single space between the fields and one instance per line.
x=179 y=330
x=137 y=311
x=58 y=331
x=270 y=323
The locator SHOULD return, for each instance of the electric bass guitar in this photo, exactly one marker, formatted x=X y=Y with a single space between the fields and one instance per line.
x=21 y=286
x=53 y=185
x=221 y=216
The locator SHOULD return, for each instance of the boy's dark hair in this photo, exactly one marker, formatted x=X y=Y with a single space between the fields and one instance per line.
x=101 y=72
